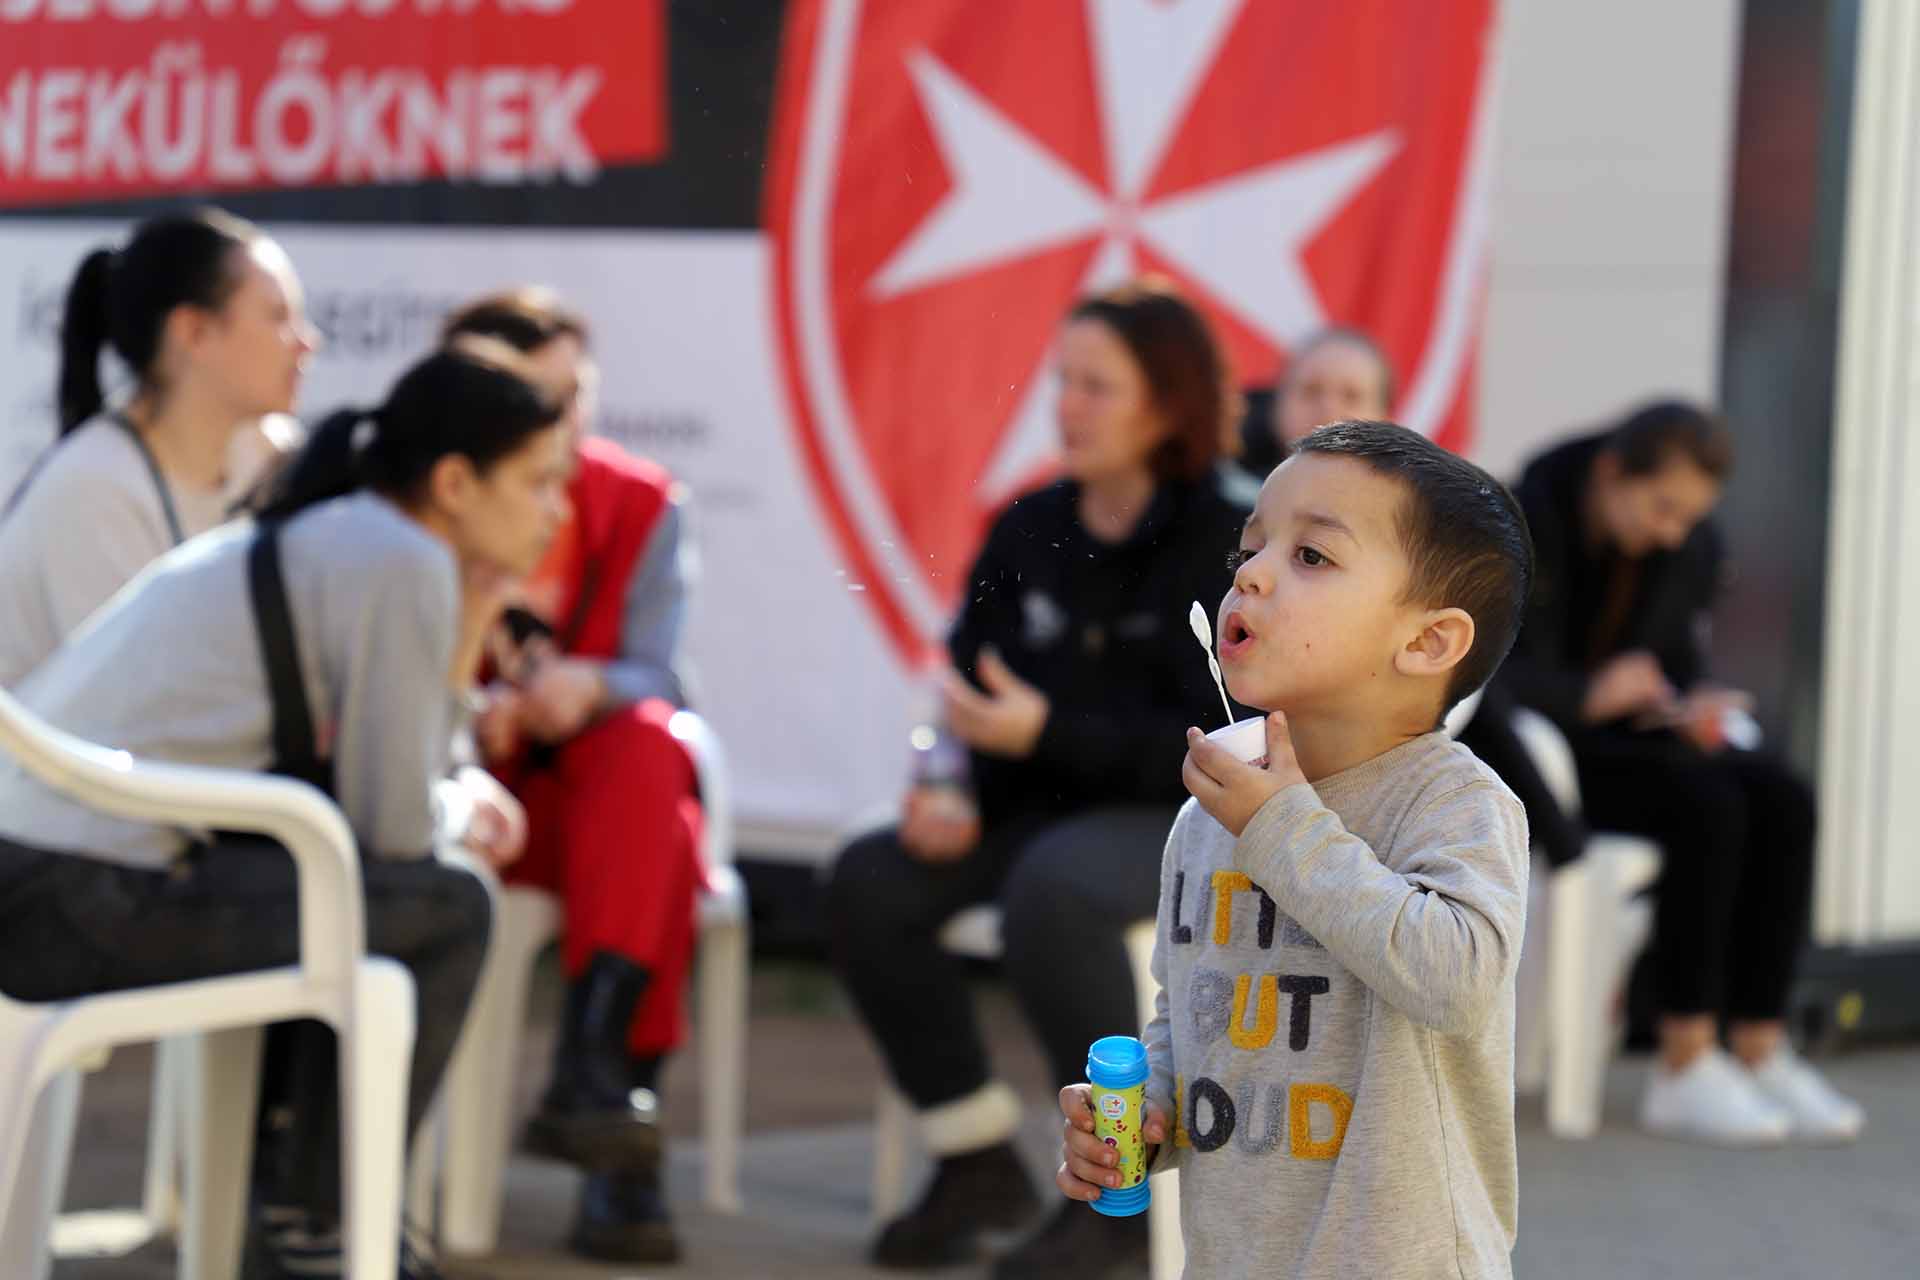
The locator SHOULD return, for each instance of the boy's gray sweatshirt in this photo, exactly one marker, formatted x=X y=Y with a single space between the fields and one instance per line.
x=1335 y=1023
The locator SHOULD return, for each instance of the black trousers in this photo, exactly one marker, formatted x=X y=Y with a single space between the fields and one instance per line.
x=72 y=926
x=1736 y=833
x=1068 y=889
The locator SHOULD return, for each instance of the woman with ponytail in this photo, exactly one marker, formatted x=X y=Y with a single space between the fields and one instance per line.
x=207 y=313
x=321 y=640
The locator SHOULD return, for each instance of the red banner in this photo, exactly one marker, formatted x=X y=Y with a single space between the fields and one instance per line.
x=105 y=99
x=945 y=182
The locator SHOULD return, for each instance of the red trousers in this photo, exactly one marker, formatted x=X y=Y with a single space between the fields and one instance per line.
x=613 y=827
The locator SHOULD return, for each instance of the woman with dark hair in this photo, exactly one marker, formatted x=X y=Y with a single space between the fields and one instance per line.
x=585 y=681
x=1629 y=564
x=320 y=641
x=208 y=314
x=1074 y=678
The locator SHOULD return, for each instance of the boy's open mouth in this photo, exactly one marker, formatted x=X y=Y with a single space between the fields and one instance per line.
x=1235 y=636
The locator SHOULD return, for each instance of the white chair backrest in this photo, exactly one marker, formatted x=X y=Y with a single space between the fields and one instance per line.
x=1462 y=713
x=716 y=787
x=1547 y=747
x=196 y=798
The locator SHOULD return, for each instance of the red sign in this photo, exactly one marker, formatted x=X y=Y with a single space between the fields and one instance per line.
x=947 y=177
x=103 y=99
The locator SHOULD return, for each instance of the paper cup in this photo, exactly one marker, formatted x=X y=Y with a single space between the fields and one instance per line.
x=1246 y=739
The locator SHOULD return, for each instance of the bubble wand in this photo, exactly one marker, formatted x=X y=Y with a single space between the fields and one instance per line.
x=1203 y=632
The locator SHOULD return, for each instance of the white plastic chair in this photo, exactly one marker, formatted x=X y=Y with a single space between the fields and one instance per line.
x=367 y=1000
x=477 y=1102
x=1585 y=923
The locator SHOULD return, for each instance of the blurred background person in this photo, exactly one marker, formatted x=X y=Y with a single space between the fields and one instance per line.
x=1335 y=375
x=1074 y=678
x=1614 y=650
x=207 y=312
x=587 y=676
x=382 y=559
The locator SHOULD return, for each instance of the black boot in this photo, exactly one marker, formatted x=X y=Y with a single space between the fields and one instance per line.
x=970 y=1195
x=623 y=1218
x=592 y=1115
x=1076 y=1241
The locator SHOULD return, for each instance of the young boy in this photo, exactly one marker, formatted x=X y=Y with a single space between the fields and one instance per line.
x=1338 y=929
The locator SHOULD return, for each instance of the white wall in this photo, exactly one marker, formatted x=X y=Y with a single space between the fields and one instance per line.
x=1612 y=169
x=1869 y=885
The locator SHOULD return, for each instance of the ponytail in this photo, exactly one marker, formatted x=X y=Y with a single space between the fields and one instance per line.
x=83 y=335
x=329 y=465
x=124 y=299
x=476 y=400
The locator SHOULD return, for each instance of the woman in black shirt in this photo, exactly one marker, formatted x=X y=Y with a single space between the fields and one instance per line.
x=1075 y=677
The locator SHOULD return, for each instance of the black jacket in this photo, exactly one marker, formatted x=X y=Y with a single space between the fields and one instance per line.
x=1669 y=612
x=1102 y=630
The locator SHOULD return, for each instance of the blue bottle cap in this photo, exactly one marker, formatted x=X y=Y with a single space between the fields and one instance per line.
x=1124 y=1202
x=1118 y=1062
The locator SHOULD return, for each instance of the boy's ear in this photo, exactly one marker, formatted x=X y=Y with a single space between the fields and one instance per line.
x=1444 y=640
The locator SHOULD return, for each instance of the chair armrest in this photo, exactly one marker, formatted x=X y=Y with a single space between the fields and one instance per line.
x=300 y=817
x=716 y=785
x=1552 y=757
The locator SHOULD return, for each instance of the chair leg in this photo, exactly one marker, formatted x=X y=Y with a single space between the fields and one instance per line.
x=1530 y=985
x=374 y=1053
x=160 y=1194
x=26 y=1226
x=220 y=1075
x=478 y=1100
x=892 y=1133
x=722 y=1030
x=1578 y=998
x=1139 y=940
x=1166 y=1248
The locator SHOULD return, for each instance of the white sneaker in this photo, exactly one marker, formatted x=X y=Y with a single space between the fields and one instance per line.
x=1713 y=1100
x=1818 y=1112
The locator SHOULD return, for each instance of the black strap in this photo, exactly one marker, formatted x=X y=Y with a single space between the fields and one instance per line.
x=33 y=473
x=146 y=456
x=294 y=743
x=159 y=476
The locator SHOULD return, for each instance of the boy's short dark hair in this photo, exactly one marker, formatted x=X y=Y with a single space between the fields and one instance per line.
x=1655 y=434
x=1466 y=540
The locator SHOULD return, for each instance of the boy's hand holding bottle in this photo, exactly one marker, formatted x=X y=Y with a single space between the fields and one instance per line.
x=1229 y=788
x=1086 y=1162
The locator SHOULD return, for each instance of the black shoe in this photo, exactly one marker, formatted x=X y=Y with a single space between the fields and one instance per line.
x=623 y=1218
x=592 y=1115
x=970 y=1196
x=1076 y=1241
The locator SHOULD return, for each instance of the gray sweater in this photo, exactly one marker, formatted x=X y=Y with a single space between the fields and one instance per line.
x=90 y=518
x=171 y=670
x=1335 y=1024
